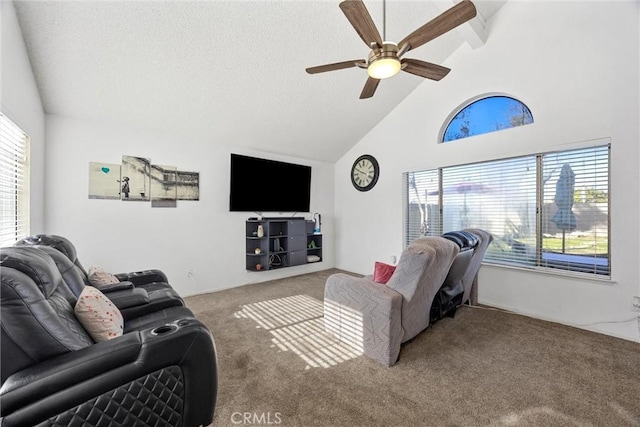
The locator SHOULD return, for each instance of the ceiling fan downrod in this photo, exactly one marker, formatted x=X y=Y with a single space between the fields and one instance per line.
x=384 y=21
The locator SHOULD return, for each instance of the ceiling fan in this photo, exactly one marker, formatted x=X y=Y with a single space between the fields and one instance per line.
x=385 y=59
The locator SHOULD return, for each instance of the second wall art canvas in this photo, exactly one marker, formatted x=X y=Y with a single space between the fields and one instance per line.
x=135 y=179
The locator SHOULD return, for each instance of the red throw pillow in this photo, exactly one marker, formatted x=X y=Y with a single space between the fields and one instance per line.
x=382 y=272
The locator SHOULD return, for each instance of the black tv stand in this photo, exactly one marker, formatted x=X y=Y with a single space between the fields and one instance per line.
x=284 y=243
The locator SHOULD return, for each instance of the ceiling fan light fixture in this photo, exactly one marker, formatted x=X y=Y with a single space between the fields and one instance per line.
x=383 y=68
x=383 y=62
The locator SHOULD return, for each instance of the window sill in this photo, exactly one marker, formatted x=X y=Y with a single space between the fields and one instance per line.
x=601 y=279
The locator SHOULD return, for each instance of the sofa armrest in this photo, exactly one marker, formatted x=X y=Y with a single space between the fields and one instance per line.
x=143 y=277
x=36 y=381
x=365 y=315
x=59 y=386
x=128 y=298
x=120 y=286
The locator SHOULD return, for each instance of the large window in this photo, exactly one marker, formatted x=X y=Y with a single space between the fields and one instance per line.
x=549 y=210
x=14 y=182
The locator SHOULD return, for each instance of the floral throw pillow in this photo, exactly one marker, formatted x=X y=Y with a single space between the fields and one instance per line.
x=100 y=278
x=99 y=316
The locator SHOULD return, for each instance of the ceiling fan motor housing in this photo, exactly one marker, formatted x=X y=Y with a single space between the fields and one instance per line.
x=388 y=50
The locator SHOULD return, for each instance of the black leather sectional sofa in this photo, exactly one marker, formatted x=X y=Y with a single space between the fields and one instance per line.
x=160 y=371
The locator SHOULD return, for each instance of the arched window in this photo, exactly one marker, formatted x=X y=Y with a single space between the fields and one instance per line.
x=487 y=114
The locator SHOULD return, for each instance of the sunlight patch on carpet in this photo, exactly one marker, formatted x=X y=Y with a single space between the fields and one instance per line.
x=539 y=416
x=345 y=324
x=297 y=324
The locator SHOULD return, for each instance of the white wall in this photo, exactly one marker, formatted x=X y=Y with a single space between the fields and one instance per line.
x=199 y=235
x=577 y=69
x=20 y=101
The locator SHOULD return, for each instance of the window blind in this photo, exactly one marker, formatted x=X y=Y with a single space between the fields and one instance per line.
x=549 y=210
x=575 y=210
x=497 y=196
x=422 y=215
x=14 y=182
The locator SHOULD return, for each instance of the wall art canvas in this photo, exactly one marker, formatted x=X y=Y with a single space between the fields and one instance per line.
x=135 y=181
x=163 y=186
x=104 y=181
x=188 y=184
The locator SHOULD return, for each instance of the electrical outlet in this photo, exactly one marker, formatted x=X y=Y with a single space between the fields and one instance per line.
x=636 y=302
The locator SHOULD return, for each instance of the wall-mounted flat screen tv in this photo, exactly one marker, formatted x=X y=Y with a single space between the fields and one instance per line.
x=262 y=185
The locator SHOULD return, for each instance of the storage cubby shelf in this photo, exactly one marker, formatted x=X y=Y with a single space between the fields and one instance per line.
x=284 y=243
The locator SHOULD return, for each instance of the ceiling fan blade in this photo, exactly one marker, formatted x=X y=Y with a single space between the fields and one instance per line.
x=424 y=69
x=448 y=20
x=369 y=88
x=336 y=66
x=357 y=13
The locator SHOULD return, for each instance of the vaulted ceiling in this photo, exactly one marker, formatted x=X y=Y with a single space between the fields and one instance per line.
x=227 y=72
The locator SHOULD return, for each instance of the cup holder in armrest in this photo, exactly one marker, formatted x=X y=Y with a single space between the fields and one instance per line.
x=164 y=330
x=169 y=328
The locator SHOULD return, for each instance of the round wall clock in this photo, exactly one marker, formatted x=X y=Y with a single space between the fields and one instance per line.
x=365 y=172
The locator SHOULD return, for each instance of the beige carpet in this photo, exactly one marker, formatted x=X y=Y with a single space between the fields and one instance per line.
x=482 y=368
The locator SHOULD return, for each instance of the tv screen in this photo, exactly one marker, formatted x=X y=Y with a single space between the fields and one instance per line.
x=261 y=185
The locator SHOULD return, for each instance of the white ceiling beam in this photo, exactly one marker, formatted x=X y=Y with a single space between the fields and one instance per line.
x=474 y=31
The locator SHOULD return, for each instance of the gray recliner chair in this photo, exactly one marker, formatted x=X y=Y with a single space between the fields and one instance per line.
x=375 y=318
x=473 y=244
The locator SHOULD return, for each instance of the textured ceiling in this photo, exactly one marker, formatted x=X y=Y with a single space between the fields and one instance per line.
x=225 y=72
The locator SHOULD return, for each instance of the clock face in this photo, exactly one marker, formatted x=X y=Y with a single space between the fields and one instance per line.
x=365 y=172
